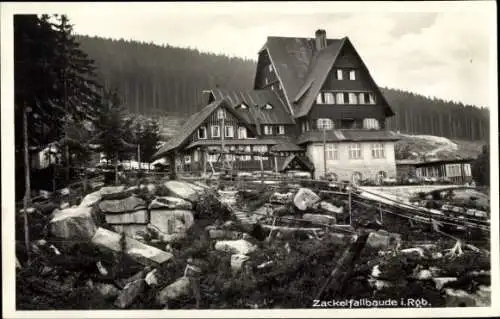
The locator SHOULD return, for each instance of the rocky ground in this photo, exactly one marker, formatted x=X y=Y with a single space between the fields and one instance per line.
x=179 y=245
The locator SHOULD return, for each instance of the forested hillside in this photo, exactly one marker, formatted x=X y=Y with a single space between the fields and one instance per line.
x=168 y=81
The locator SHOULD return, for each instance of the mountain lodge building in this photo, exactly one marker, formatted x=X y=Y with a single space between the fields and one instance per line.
x=313 y=106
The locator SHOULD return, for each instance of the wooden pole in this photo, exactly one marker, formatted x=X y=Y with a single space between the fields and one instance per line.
x=27 y=194
x=350 y=205
x=324 y=150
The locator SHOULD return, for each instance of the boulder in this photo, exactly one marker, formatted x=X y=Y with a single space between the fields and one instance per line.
x=168 y=202
x=305 y=198
x=64 y=205
x=459 y=298
x=125 y=205
x=91 y=199
x=113 y=192
x=383 y=240
x=441 y=281
x=143 y=253
x=181 y=287
x=137 y=217
x=64 y=192
x=130 y=230
x=130 y=293
x=240 y=246
x=182 y=190
x=108 y=291
x=171 y=221
x=151 y=188
x=330 y=208
x=228 y=197
x=320 y=219
x=73 y=223
x=173 y=238
x=237 y=261
x=279 y=198
x=423 y=274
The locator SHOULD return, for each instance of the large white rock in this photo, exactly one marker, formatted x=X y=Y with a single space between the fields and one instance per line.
x=441 y=281
x=183 y=190
x=461 y=298
x=228 y=197
x=91 y=199
x=240 y=246
x=280 y=198
x=172 y=221
x=73 y=223
x=137 y=217
x=305 y=198
x=181 y=287
x=320 y=219
x=107 y=290
x=169 y=202
x=143 y=253
x=330 y=208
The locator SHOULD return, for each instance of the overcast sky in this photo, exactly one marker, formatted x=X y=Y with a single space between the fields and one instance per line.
x=435 y=49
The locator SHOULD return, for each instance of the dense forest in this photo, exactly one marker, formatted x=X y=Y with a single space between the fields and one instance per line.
x=165 y=80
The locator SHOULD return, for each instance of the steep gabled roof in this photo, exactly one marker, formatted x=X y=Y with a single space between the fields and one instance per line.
x=255 y=113
x=192 y=124
x=291 y=58
x=303 y=70
x=318 y=73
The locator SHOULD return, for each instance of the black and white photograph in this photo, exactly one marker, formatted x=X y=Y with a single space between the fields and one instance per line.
x=231 y=159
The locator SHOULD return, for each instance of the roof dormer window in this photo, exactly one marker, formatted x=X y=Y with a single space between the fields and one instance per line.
x=352 y=75
x=268 y=106
x=243 y=105
x=340 y=75
x=270 y=68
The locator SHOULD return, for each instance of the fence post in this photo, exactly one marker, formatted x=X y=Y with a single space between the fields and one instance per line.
x=350 y=204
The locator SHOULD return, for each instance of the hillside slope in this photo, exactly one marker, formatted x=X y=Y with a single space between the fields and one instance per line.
x=169 y=82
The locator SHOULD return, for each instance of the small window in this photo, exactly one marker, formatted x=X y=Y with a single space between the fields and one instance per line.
x=303 y=126
x=339 y=74
x=215 y=131
x=307 y=126
x=378 y=150
x=326 y=124
x=242 y=132
x=355 y=151
x=372 y=98
x=212 y=158
x=319 y=98
x=281 y=129
x=221 y=114
x=187 y=159
x=272 y=87
x=268 y=106
x=268 y=130
x=352 y=75
x=329 y=99
x=362 y=98
x=202 y=132
x=353 y=98
x=229 y=132
x=371 y=124
x=332 y=152
x=266 y=80
x=340 y=98
x=243 y=106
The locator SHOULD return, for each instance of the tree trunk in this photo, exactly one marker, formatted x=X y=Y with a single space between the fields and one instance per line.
x=27 y=194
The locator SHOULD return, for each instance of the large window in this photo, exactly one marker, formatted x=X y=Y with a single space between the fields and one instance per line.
x=467 y=170
x=329 y=98
x=187 y=159
x=215 y=131
x=229 y=131
x=242 y=132
x=355 y=151
x=372 y=98
x=268 y=130
x=260 y=149
x=453 y=170
x=362 y=98
x=202 y=132
x=378 y=150
x=332 y=152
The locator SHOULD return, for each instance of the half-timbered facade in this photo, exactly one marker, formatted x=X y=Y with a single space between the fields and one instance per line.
x=313 y=98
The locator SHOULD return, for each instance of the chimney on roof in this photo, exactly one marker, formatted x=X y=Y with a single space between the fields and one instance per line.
x=320 y=39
